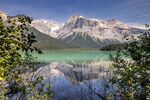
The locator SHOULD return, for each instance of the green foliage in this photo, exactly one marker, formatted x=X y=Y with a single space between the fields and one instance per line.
x=17 y=74
x=131 y=80
x=112 y=47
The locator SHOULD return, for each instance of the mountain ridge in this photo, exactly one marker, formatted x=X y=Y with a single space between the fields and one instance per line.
x=76 y=22
x=79 y=32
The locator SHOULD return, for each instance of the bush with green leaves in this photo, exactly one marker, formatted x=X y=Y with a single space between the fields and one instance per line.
x=17 y=78
x=131 y=80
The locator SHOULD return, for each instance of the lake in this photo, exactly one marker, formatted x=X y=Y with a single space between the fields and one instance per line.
x=75 y=74
x=73 y=55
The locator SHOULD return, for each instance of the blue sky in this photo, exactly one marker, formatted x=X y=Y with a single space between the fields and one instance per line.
x=130 y=11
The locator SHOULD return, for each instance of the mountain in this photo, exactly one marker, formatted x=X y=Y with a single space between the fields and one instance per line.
x=81 y=32
x=78 y=32
x=93 y=33
x=46 y=26
x=46 y=42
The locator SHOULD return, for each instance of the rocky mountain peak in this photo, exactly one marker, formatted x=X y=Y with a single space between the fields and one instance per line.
x=116 y=23
x=82 y=22
x=74 y=18
x=76 y=22
x=113 y=21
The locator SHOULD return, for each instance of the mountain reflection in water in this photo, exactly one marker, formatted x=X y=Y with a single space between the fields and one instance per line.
x=76 y=81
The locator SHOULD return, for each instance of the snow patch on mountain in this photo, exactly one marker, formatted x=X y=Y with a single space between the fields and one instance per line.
x=46 y=26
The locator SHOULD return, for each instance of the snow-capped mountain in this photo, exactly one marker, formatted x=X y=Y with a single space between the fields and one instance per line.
x=78 y=32
x=96 y=29
x=46 y=26
x=87 y=33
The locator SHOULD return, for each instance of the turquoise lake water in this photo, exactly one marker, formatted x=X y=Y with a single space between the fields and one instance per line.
x=72 y=73
x=72 y=55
